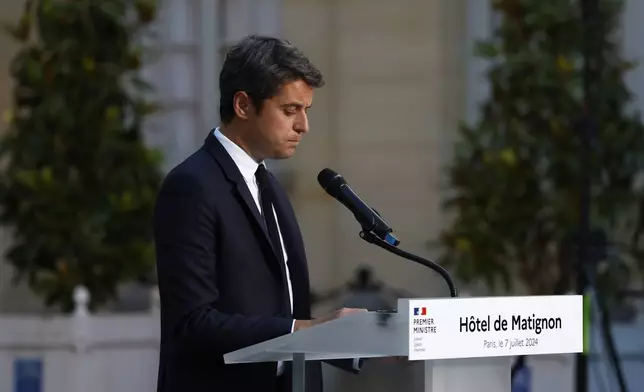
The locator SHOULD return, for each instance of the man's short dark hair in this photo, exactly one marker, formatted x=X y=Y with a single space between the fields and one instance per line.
x=260 y=66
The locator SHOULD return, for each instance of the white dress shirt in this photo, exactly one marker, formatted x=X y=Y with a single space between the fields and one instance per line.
x=248 y=166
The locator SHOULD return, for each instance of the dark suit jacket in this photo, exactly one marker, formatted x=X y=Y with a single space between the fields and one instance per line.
x=220 y=283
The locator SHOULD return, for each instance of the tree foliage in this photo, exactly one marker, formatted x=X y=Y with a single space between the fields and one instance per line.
x=78 y=184
x=516 y=177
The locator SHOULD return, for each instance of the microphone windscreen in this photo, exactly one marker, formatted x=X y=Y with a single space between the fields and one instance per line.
x=328 y=179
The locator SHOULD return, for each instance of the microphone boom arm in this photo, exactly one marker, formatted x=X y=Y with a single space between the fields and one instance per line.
x=373 y=239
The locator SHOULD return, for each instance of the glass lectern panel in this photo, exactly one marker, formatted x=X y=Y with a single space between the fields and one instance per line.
x=360 y=335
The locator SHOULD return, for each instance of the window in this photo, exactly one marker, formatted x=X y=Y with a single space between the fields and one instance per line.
x=174 y=48
x=480 y=25
x=188 y=43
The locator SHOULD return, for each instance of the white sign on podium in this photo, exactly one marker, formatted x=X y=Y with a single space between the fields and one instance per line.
x=494 y=326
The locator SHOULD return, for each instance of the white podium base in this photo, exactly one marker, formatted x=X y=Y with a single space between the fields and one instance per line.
x=466 y=375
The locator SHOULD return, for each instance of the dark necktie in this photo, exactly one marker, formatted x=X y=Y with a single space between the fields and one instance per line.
x=267 y=196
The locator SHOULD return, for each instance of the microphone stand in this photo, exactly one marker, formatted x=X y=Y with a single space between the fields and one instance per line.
x=373 y=239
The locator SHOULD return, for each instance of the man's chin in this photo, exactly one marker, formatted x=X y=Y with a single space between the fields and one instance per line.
x=284 y=154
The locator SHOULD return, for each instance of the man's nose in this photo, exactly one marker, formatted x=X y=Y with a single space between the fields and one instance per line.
x=302 y=124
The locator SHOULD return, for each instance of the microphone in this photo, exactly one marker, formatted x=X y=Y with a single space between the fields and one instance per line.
x=374 y=229
x=335 y=185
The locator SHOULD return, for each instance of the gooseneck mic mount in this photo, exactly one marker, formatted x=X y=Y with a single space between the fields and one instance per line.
x=374 y=229
x=372 y=239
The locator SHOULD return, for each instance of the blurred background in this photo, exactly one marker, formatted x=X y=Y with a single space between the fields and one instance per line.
x=501 y=138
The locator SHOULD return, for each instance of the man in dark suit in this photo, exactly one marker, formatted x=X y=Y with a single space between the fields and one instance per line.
x=230 y=257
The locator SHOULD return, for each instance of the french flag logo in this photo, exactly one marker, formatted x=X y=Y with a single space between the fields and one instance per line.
x=420 y=311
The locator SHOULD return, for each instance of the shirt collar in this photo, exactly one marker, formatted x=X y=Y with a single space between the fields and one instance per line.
x=245 y=163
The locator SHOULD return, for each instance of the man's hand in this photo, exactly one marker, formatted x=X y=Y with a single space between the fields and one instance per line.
x=303 y=324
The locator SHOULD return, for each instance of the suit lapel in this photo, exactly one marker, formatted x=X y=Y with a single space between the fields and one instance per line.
x=233 y=174
x=285 y=218
x=295 y=248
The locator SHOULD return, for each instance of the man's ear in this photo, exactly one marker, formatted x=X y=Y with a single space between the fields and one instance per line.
x=243 y=105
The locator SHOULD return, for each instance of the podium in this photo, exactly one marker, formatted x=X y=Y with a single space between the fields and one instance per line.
x=466 y=344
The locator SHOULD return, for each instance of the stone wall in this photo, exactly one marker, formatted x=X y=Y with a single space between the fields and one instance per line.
x=385 y=121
